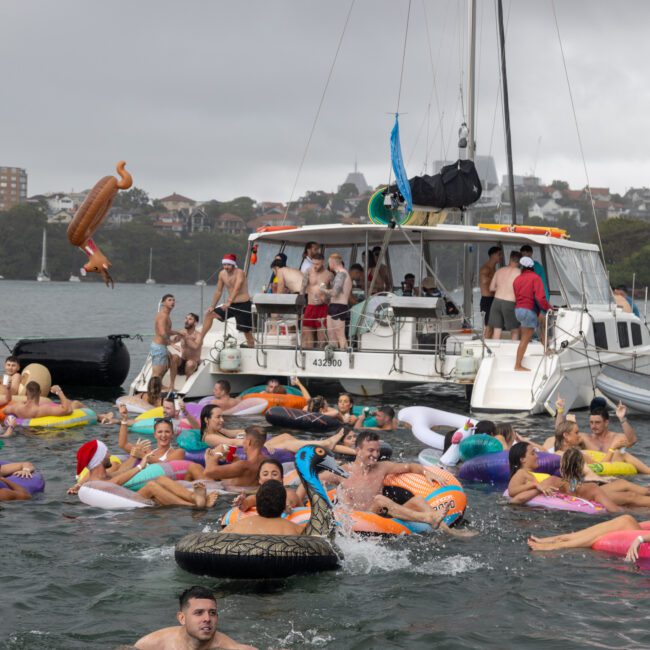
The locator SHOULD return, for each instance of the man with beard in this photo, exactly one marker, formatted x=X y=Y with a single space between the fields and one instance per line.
x=190 y=341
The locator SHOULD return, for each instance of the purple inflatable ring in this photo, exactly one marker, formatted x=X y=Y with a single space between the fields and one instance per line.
x=34 y=484
x=495 y=468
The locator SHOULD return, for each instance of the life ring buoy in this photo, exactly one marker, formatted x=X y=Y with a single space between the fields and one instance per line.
x=224 y=555
x=89 y=217
x=295 y=419
x=275 y=228
x=526 y=230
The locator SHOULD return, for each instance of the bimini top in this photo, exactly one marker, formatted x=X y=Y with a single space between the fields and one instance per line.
x=338 y=234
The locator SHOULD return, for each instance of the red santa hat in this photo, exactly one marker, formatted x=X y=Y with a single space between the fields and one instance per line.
x=229 y=258
x=90 y=455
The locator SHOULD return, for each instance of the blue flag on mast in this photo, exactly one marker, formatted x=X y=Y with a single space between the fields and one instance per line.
x=398 y=166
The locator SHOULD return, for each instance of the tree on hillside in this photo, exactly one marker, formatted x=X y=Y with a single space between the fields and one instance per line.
x=134 y=199
x=347 y=190
x=242 y=206
x=621 y=237
x=560 y=185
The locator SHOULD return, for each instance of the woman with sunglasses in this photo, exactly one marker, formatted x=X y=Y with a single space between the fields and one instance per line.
x=163 y=432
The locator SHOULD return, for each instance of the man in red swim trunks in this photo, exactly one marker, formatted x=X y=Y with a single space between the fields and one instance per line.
x=315 y=317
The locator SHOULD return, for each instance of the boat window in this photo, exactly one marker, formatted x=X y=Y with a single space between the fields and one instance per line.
x=446 y=260
x=623 y=337
x=600 y=336
x=637 y=339
x=577 y=268
x=260 y=272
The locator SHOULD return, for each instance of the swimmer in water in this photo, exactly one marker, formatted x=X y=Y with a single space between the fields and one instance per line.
x=523 y=486
x=270 y=470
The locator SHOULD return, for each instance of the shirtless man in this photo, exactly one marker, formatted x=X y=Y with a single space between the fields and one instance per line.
x=502 y=312
x=162 y=332
x=601 y=438
x=288 y=280
x=222 y=397
x=315 y=315
x=238 y=303
x=362 y=490
x=338 y=311
x=240 y=473
x=384 y=416
x=32 y=408
x=198 y=620
x=270 y=501
x=191 y=342
x=485 y=275
x=11 y=377
x=164 y=491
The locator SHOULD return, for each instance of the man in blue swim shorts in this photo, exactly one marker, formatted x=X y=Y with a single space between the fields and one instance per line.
x=162 y=331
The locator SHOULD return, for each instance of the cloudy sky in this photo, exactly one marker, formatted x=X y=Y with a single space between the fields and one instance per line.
x=216 y=98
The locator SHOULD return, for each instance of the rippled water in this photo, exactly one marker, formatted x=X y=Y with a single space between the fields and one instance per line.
x=76 y=577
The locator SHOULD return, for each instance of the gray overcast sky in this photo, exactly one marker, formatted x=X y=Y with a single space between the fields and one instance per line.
x=215 y=99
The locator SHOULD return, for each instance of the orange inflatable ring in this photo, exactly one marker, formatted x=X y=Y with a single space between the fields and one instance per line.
x=526 y=230
x=275 y=228
x=89 y=217
x=280 y=399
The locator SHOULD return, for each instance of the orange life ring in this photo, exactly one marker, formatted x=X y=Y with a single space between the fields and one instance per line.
x=275 y=228
x=89 y=217
x=526 y=230
x=280 y=399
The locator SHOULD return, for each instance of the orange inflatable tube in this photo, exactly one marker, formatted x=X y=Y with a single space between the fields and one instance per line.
x=280 y=399
x=89 y=217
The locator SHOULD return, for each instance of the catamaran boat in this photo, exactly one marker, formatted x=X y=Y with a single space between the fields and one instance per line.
x=397 y=341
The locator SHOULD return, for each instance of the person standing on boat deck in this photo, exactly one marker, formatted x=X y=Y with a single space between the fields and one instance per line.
x=286 y=279
x=311 y=248
x=198 y=620
x=191 y=341
x=527 y=251
x=383 y=282
x=238 y=303
x=338 y=311
x=502 y=312
x=621 y=290
x=408 y=286
x=529 y=298
x=315 y=315
x=162 y=328
x=485 y=275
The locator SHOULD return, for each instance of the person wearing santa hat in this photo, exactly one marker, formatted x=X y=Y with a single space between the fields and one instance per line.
x=163 y=491
x=238 y=303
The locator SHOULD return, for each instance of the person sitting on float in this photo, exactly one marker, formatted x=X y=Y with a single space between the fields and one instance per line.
x=213 y=433
x=384 y=416
x=612 y=494
x=271 y=499
x=20 y=469
x=153 y=395
x=523 y=486
x=222 y=397
x=33 y=408
x=12 y=374
x=586 y=537
x=270 y=470
x=505 y=433
x=93 y=455
x=163 y=432
x=271 y=384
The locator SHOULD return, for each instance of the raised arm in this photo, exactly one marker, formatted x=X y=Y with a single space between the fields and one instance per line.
x=299 y=385
x=628 y=429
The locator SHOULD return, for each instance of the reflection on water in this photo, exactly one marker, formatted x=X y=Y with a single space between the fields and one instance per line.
x=75 y=577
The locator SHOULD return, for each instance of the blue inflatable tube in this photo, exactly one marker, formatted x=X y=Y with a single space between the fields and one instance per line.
x=494 y=468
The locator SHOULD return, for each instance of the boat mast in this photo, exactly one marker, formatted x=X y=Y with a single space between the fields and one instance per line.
x=468 y=284
x=44 y=254
x=506 y=111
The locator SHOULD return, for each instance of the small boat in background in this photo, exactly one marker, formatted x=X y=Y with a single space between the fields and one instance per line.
x=74 y=278
x=43 y=275
x=631 y=388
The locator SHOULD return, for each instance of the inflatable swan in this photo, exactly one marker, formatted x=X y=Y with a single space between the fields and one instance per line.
x=89 y=217
x=229 y=555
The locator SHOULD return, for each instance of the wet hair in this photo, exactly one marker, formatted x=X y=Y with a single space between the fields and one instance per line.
x=318 y=256
x=486 y=426
x=33 y=389
x=271 y=499
x=504 y=429
x=270 y=461
x=206 y=414
x=494 y=249
x=167 y=295
x=356 y=267
x=194 y=316
x=316 y=404
x=603 y=413
x=597 y=403
x=256 y=435
x=272 y=379
x=515 y=256
x=154 y=390
x=387 y=410
x=572 y=465
x=225 y=385
x=561 y=429
x=515 y=455
x=366 y=435
x=525 y=249
x=279 y=390
x=621 y=287
x=195 y=592
x=13 y=359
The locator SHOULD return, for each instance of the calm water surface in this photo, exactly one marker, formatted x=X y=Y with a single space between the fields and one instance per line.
x=77 y=577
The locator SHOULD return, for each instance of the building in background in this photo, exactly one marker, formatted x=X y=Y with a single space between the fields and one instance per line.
x=13 y=187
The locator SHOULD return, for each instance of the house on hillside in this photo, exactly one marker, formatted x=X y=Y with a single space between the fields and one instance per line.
x=598 y=193
x=273 y=219
x=230 y=224
x=174 y=222
x=59 y=201
x=62 y=216
x=549 y=210
x=197 y=221
x=175 y=202
x=118 y=217
x=270 y=207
